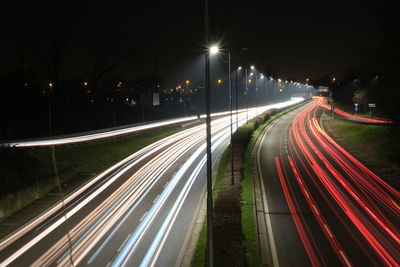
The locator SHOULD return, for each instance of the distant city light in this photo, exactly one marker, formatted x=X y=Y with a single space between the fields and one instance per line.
x=252 y=67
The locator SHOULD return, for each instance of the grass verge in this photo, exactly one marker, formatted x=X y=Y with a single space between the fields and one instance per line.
x=379 y=139
x=376 y=146
x=27 y=173
x=199 y=258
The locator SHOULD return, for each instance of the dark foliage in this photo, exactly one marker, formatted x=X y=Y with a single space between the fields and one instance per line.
x=18 y=170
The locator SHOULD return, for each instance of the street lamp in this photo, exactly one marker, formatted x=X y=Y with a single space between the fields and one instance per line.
x=210 y=247
x=255 y=81
x=266 y=86
x=247 y=81
x=215 y=50
x=236 y=99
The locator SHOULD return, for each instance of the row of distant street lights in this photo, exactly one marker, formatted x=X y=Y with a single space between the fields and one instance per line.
x=213 y=50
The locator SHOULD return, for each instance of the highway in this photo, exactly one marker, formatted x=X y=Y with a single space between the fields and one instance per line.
x=326 y=208
x=138 y=212
x=92 y=136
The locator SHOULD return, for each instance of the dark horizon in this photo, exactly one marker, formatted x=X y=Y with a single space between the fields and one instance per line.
x=295 y=40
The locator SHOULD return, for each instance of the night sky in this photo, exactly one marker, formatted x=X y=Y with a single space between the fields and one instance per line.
x=295 y=39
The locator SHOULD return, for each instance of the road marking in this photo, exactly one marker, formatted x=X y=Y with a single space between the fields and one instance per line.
x=166 y=184
x=328 y=230
x=143 y=216
x=271 y=238
x=123 y=243
x=156 y=198
x=345 y=258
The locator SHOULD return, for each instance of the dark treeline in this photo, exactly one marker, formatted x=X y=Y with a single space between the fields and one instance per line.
x=375 y=78
x=63 y=71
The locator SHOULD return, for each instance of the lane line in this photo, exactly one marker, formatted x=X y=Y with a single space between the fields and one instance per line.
x=271 y=238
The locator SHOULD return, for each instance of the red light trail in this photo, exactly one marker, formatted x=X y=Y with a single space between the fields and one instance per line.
x=315 y=163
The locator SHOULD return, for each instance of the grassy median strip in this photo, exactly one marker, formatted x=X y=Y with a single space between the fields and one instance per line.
x=245 y=137
x=27 y=173
x=200 y=253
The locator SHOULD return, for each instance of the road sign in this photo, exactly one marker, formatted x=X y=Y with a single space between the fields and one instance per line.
x=156 y=99
x=372 y=105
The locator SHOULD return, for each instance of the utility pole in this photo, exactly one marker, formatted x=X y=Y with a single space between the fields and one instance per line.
x=236 y=99
x=247 y=98
x=230 y=100
x=210 y=247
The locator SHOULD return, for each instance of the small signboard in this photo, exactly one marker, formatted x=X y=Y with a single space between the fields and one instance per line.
x=156 y=99
x=323 y=89
x=332 y=108
x=372 y=105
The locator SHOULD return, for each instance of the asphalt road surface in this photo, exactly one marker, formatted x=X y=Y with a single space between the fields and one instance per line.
x=326 y=208
x=139 y=212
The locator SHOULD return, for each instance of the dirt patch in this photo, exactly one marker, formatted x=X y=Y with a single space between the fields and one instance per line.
x=228 y=238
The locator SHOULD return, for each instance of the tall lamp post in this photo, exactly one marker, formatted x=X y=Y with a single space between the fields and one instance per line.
x=256 y=85
x=236 y=92
x=246 y=94
x=230 y=100
x=216 y=50
x=210 y=247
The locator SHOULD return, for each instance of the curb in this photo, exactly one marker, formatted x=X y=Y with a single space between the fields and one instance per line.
x=266 y=243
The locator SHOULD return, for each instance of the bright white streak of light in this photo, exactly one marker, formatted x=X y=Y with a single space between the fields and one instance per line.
x=95 y=136
x=162 y=234
x=158 y=145
x=103 y=187
x=130 y=245
x=113 y=133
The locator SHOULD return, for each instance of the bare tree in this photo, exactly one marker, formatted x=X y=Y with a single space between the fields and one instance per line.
x=106 y=51
x=58 y=37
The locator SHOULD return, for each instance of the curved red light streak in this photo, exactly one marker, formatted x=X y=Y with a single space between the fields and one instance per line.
x=368 y=202
x=355 y=117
